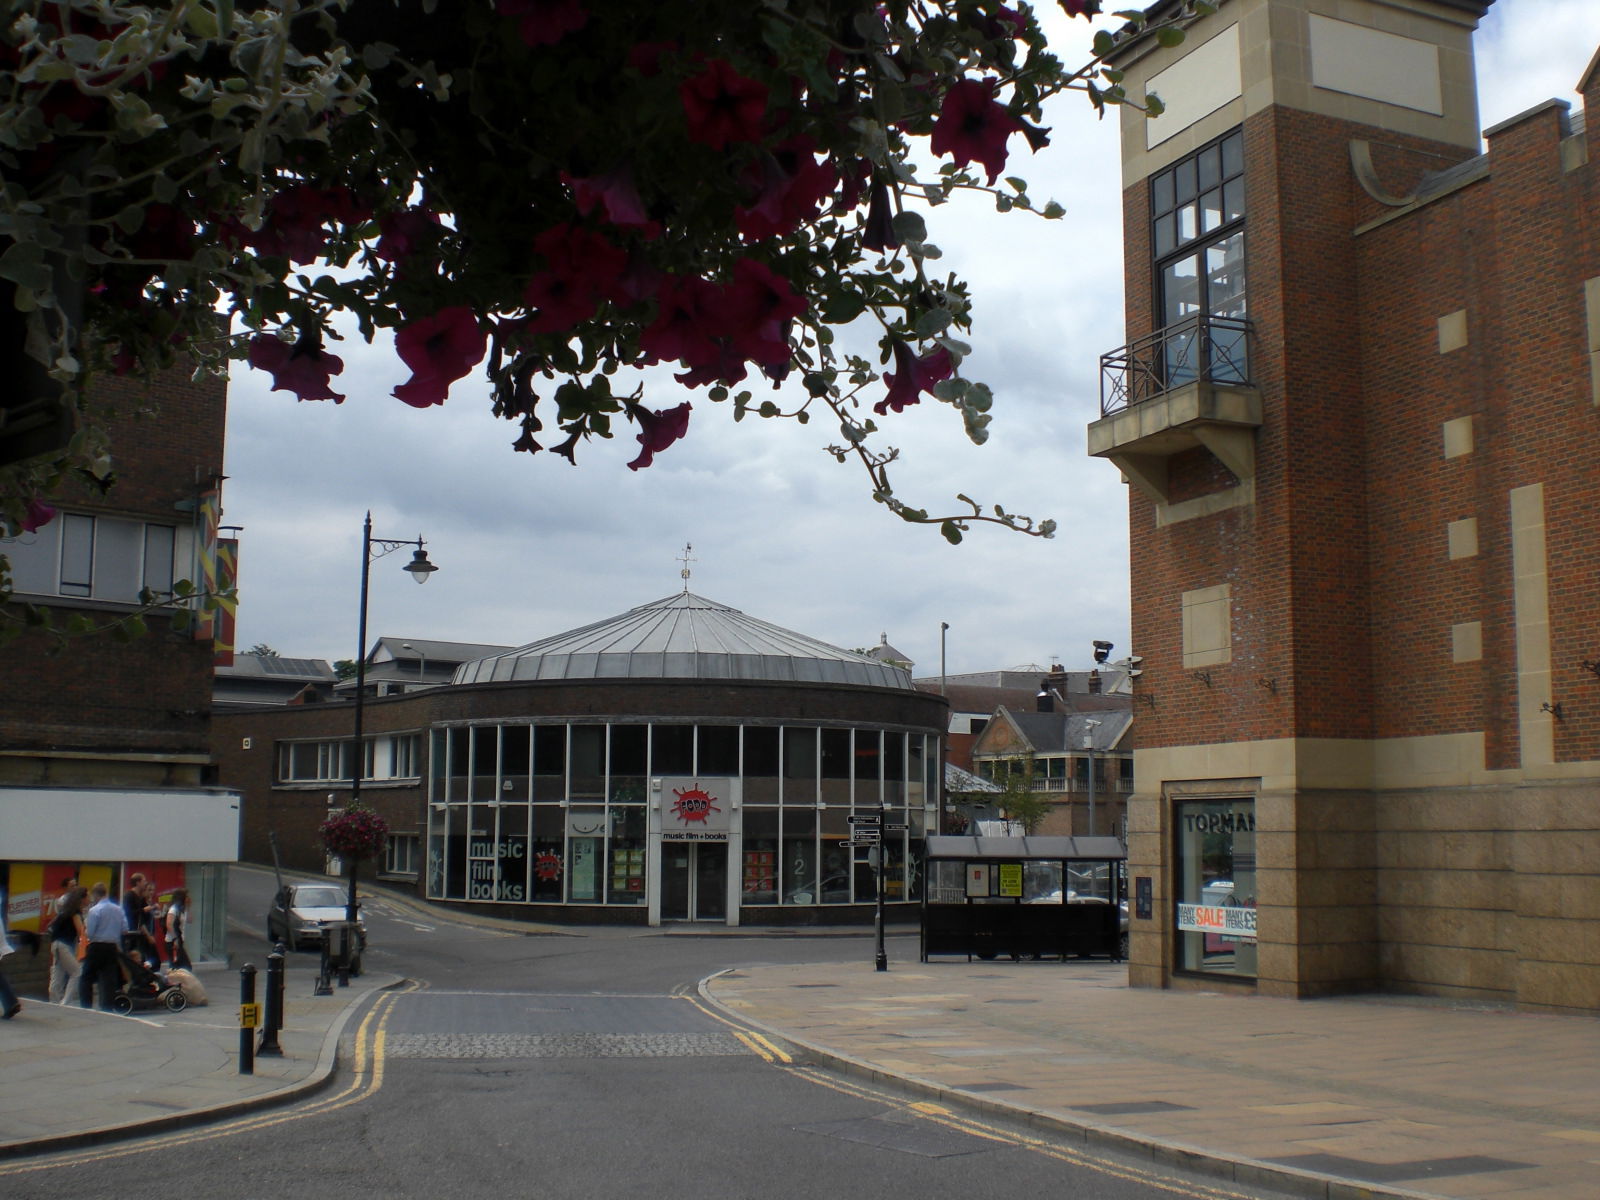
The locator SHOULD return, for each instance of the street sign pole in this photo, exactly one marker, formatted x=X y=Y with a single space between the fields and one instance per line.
x=882 y=962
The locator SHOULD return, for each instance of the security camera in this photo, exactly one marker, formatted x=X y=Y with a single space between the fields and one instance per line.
x=1102 y=651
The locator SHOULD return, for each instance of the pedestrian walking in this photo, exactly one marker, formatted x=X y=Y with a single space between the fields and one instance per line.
x=10 y=1006
x=177 y=928
x=151 y=921
x=105 y=925
x=68 y=942
x=68 y=885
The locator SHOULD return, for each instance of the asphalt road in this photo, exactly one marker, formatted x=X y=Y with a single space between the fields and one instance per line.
x=585 y=1066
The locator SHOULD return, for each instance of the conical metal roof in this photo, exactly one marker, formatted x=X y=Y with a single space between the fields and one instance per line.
x=684 y=637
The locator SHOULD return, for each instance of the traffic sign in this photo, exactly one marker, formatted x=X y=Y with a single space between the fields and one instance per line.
x=249 y=1016
x=894 y=828
x=864 y=819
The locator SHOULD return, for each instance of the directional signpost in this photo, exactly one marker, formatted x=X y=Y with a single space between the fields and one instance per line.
x=866 y=829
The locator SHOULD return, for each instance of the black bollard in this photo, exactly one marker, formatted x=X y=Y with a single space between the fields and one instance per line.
x=247 y=1001
x=272 y=1014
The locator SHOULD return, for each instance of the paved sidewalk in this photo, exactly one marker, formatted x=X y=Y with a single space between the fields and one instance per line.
x=1334 y=1098
x=71 y=1076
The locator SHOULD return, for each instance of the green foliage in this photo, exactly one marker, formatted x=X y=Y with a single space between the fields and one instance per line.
x=550 y=193
x=1017 y=799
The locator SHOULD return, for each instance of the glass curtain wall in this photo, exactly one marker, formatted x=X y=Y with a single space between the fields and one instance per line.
x=558 y=813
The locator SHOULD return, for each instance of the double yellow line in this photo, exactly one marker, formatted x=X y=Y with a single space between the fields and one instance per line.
x=939 y=1114
x=366 y=1078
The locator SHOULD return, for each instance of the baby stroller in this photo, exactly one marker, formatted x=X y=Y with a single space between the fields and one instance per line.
x=143 y=988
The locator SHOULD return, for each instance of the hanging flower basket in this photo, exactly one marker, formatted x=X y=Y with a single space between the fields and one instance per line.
x=354 y=833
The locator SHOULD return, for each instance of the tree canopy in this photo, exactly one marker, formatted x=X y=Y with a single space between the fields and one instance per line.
x=554 y=194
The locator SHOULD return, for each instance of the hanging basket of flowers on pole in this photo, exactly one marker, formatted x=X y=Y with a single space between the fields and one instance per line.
x=351 y=835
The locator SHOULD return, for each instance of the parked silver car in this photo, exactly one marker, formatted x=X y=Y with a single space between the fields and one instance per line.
x=301 y=913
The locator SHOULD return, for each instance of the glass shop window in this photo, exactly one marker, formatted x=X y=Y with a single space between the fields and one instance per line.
x=1216 y=865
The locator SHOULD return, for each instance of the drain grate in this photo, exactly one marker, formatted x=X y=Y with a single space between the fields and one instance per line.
x=563 y=1045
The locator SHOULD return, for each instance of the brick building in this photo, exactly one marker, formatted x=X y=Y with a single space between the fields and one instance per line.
x=1360 y=414
x=105 y=764
x=679 y=761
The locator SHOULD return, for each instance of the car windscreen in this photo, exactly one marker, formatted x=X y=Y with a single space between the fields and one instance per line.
x=318 y=897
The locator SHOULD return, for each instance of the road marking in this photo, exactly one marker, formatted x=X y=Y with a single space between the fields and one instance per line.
x=984 y=1129
x=366 y=1079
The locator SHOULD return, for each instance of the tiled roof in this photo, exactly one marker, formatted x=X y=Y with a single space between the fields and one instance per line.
x=684 y=637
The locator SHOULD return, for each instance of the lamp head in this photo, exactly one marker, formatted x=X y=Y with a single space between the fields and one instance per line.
x=419 y=568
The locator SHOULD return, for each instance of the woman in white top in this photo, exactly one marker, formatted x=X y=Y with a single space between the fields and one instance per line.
x=177 y=927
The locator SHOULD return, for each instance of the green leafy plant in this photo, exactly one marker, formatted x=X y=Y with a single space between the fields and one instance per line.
x=557 y=194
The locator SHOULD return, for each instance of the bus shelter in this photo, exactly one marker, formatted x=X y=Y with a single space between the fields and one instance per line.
x=1025 y=897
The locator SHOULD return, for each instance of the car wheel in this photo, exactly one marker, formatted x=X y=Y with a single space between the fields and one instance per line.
x=122 y=1003
x=176 y=1001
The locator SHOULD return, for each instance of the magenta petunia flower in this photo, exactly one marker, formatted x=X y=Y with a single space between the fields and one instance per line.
x=658 y=430
x=439 y=349
x=723 y=106
x=615 y=192
x=303 y=369
x=755 y=310
x=973 y=126
x=788 y=187
x=581 y=270
x=1080 y=8
x=912 y=376
x=544 y=22
x=678 y=334
x=295 y=220
x=402 y=234
x=37 y=516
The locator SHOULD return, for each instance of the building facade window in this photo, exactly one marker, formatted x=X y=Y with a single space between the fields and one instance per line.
x=1197 y=213
x=392 y=756
x=96 y=558
x=402 y=854
x=1216 y=886
x=579 y=813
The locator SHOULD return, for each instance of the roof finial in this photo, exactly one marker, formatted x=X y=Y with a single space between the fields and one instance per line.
x=686 y=560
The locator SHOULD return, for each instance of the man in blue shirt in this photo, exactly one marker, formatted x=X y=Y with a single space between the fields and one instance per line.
x=105 y=925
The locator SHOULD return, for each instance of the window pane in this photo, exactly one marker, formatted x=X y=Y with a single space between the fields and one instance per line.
x=1166 y=236
x=118 y=559
x=1188 y=223
x=1225 y=277
x=77 y=554
x=672 y=750
x=1180 y=289
x=836 y=754
x=799 y=753
x=1209 y=163
x=1211 y=210
x=1184 y=181
x=588 y=761
x=719 y=750
x=1233 y=200
x=158 y=555
x=1161 y=193
x=1233 y=155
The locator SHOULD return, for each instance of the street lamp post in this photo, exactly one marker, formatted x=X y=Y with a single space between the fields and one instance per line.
x=1088 y=745
x=419 y=569
x=422 y=662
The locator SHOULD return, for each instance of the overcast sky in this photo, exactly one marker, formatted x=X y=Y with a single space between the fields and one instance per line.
x=529 y=546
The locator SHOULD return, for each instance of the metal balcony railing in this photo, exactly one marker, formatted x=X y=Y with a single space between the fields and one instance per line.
x=1200 y=349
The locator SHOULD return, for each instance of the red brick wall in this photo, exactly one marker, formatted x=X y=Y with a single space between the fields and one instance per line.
x=149 y=695
x=1342 y=591
x=1513 y=251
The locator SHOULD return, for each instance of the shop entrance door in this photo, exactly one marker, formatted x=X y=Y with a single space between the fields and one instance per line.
x=694 y=881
